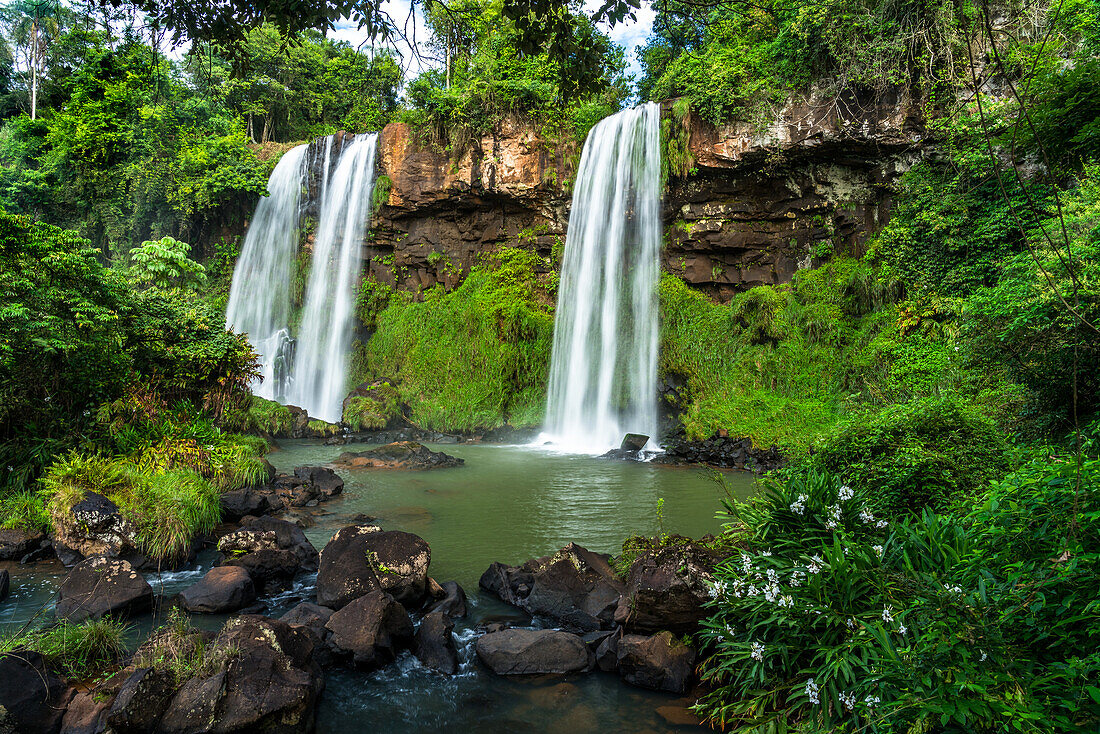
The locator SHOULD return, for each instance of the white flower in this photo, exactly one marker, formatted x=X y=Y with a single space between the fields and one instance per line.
x=872 y=700
x=851 y=623
x=717 y=589
x=955 y=589
x=799 y=505
x=796 y=578
x=812 y=691
x=845 y=493
x=881 y=524
x=849 y=700
x=751 y=591
x=757 y=651
x=786 y=601
x=772 y=576
x=765 y=554
x=834 y=511
x=738 y=586
x=902 y=629
x=729 y=630
x=830 y=524
x=983 y=657
x=771 y=592
x=746 y=563
x=866 y=515
x=815 y=564
x=887 y=615
x=878 y=550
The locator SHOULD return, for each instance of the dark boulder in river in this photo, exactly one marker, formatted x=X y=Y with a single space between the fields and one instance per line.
x=16 y=543
x=94 y=526
x=223 y=589
x=449 y=598
x=667 y=587
x=98 y=586
x=311 y=616
x=403 y=455
x=32 y=698
x=267 y=680
x=531 y=652
x=435 y=644
x=371 y=630
x=273 y=551
x=362 y=558
x=660 y=662
x=575 y=587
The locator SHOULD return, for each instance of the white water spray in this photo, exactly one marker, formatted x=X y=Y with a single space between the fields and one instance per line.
x=259 y=297
x=324 y=336
x=603 y=373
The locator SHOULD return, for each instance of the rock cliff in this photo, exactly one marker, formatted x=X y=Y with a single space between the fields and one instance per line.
x=755 y=203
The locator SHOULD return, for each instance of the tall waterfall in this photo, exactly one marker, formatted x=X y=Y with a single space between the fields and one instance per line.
x=324 y=336
x=309 y=371
x=603 y=373
x=259 y=298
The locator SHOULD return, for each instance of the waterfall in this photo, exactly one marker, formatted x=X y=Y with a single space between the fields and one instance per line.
x=259 y=297
x=325 y=333
x=603 y=373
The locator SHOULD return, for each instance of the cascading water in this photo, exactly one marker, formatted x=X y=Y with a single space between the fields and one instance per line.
x=324 y=336
x=259 y=297
x=603 y=373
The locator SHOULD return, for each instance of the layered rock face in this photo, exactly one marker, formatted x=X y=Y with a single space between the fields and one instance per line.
x=760 y=201
x=445 y=208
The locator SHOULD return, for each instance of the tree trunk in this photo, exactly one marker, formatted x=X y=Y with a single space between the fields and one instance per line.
x=34 y=69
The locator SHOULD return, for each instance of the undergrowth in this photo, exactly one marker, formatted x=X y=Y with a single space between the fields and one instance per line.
x=77 y=651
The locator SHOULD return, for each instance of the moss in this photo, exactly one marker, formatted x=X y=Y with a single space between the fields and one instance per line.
x=321 y=428
x=380 y=196
x=474 y=358
x=373 y=410
x=267 y=417
x=77 y=651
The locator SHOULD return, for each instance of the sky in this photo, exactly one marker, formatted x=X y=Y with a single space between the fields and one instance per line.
x=628 y=34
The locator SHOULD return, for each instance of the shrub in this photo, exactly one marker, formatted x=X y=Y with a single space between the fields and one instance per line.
x=24 y=510
x=177 y=647
x=77 y=651
x=919 y=454
x=268 y=418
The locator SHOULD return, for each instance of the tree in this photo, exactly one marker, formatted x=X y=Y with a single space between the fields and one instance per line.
x=33 y=25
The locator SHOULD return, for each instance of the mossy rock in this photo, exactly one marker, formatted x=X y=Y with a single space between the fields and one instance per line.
x=371 y=407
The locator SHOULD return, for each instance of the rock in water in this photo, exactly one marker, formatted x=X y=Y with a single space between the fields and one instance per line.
x=660 y=662
x=94 y=526
x=362 y=558
x=371 y=630
x=267 y=681
x=452 y=602
x=529 y=652
x=223 y=589
x=634 y=442
x=99 y=586
x=32 y=698
x=326 y=481
x=5 y=584
x=141 y=700
x=273 y=551
x=575 y=586
x=435 y=645
x=667 y=588
x=311 y=616
x=16 y=543
x=401 y=455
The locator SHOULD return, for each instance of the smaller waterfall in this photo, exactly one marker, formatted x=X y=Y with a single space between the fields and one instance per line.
x=603 y=373
x=259 y=297
x=325 y=332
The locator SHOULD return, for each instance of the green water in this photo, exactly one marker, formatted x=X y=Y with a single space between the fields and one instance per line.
x=506 y=504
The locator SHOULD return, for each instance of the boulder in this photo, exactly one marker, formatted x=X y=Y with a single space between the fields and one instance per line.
x=575 y=587
x=94 y=526
x=246 y=501
x=99 y=586
x=405 y=455
x=273 y=551
x=16 y=543
x=32 y=697
x=362 y=558
x=370 y=630
x=667 y=587
x=452 y=600
x=634 y=442
x=5 y=584
x=607 y=652
x=223 y=589
x=529 y=652
x=294 y=491
x=268 y=681
x=85 y=714
x=327 y=482
x=660 y=662
x=435 y=644
x=311 y=616
x=142 y=699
